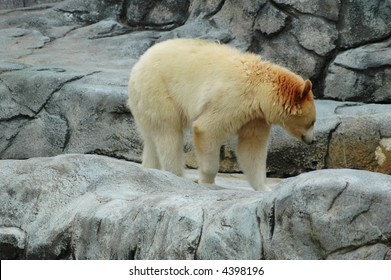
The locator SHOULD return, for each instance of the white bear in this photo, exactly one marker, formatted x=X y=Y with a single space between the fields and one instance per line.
x=218 y=91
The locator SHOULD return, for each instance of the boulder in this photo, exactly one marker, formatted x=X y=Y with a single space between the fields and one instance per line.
x=12 y=243
x=328 y=9
x=361 y=74
x=364 y=22
x=64 y=69
x=95 y=207
x=271 y=21
x=47 y=112
x=328 y=214
x=362 y=139
x=315 y=34
x=285 y=50
x=65 y=66
x=12 y=4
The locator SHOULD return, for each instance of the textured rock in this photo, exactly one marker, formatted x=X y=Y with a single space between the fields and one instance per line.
x=304 y=211
x=12 y=243
x=19 y=42
x=64 y=69
x=65 y=116
x=164 y=14
x=264 y=26
x=12 y=4
x=315 y=34
x=328 y=9
x=364 y=22
x=361 y=74
x=238 y=18
x=285 y=50
x=271 y=20
x=94 y=207
x=361 y=140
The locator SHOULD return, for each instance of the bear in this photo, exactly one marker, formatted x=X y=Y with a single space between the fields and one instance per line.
x=217 y=91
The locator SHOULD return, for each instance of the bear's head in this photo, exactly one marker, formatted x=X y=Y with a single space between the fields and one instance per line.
x=300 y=114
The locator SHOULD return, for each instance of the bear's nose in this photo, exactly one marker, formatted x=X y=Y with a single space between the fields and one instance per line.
x=308 y=140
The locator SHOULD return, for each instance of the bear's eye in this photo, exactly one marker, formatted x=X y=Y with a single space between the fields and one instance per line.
x=311 y=125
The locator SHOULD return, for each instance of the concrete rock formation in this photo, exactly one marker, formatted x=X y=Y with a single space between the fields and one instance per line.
x=95 y=207
x=64 y=68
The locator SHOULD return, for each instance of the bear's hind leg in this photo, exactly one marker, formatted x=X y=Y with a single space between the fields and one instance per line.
x=150 y=156
x=169 y=146
x=207 y=148
x=252 y=152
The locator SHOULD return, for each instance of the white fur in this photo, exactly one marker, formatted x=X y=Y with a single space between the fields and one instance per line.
x=216 y=90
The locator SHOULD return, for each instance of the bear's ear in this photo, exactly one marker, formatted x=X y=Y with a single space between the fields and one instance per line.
x=307 y=88
x=304 y=90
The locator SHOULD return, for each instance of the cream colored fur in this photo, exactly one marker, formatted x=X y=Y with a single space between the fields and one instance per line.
x=218 y=91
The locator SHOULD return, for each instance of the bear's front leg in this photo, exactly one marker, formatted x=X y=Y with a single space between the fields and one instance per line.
x=207 y=151
x=252 y=152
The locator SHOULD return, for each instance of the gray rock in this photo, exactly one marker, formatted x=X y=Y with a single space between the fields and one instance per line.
x=198 y=28
x=329 y=214
x=204 y=9
x=26 y=92
x=19 y=42
x=315 y=34
x=361 y=74
x=65 y=116
x=160 y=15
x=238 y=18
x=270 y=21
x=44 y=136
x=362 y=139
x=65 y=67
x=98 y=121
x=90 y=11
x=94 y=207
x=328 y=9
x=364 y=22
x=12 y=243
x=12 y=4
x=285 y=50
x=366 y=57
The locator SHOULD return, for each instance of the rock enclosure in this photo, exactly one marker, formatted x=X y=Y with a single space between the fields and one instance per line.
x=64 y=67
x=95 y=207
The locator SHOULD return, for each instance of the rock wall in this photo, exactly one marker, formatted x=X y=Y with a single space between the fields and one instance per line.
x=95 y=207
x=12 y=4
x=64 y=69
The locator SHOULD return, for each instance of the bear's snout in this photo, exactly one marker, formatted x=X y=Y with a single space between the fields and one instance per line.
x=308 y=139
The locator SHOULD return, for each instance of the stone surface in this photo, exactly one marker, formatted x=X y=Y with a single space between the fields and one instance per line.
x=364 y=22
x=12 y=4
x=65 y=116
x=64 y=71
x=95 y=207
x=271 y=21
x=315 y=34
x=304 y=210
x=360 y=141
x=328 y=9
x=361 y=74
x=12 y=243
